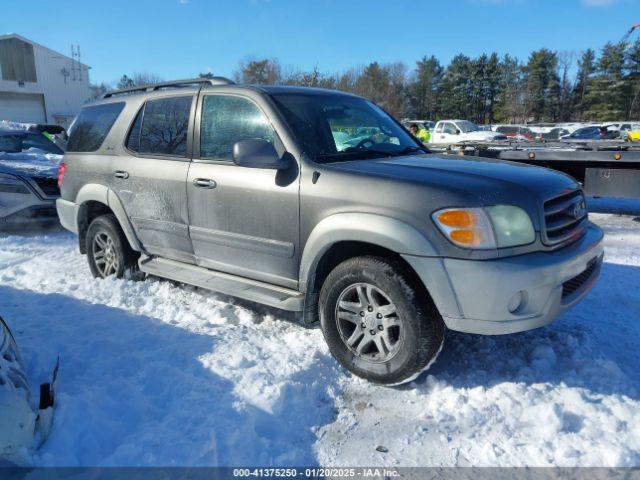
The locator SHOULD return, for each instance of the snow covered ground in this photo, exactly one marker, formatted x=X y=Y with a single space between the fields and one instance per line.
x=155 y=373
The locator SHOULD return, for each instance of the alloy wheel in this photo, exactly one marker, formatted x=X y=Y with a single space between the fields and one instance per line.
x=368 y=322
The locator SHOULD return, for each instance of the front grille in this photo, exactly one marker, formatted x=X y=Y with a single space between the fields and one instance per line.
x=565 y=217
x=579 y=280
x=49 y=186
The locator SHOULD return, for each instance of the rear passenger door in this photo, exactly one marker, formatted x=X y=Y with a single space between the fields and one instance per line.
x=150 y=177
x=243 y=221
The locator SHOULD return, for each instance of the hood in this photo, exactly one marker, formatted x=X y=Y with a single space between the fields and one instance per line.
x=31 y=163
x=486 y=180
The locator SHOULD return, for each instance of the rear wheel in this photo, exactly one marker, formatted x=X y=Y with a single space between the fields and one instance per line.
x=377 y=322
x=108 y=250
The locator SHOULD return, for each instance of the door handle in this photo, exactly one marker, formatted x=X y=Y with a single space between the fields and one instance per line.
x=204 y=183
x=121 y=174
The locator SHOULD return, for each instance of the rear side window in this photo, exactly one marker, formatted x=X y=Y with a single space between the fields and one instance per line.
x=162 y=127
x=92 y=126
x=227 y=120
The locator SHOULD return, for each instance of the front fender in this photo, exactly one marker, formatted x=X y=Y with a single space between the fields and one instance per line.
x=378 y=230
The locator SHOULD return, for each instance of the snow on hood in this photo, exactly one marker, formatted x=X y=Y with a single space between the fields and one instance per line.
x=7 y=125
x=30 y=162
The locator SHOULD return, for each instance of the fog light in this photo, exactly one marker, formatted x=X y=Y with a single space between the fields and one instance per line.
x=517 y=302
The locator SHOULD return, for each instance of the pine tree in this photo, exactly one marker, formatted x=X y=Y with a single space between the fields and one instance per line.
x=542 y=86
x=586 y=66
x=606 y=90
x=509 y=104
x=424 y=95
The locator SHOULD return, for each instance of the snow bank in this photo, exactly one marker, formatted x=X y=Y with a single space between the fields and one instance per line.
x=154 y=373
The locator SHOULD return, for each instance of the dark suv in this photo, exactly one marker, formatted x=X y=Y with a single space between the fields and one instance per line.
x=320 y=202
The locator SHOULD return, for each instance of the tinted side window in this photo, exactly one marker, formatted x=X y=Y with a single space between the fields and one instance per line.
x=92 y=126
x=165 y=126
x=227 y=120
x=133 y=140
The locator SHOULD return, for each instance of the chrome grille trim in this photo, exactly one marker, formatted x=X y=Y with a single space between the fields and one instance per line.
x=565 y=218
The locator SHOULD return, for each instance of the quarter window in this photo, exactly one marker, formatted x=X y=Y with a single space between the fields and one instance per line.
x=227 y=120
x=165 y=126
x=133 y=140
x=92 y=126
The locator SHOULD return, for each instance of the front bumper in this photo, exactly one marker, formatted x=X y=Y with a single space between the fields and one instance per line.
x=20 y=203
x=479 y=296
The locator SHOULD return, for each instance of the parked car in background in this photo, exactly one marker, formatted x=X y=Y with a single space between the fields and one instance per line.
x=451 y=132
x=633 y=136
x=626 y=127
x=245 y=190
x=553 y=134
x=515 y=132
x=28 y=177
x=593 y=132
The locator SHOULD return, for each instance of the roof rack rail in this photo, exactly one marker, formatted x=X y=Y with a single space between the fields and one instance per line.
x=173 y=84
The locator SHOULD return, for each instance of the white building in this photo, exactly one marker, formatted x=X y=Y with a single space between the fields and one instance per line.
x=38 y=85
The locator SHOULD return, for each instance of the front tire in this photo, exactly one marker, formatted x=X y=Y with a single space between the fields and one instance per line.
x=108 y=250
x=379 y=324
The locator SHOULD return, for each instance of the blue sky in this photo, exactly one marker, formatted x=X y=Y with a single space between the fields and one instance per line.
x=180 y=38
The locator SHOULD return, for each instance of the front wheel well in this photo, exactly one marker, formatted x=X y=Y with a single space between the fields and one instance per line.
x=88 y=212
x=338 y=253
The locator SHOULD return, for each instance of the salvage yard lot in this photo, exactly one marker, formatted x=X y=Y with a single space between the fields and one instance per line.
x=155 y=373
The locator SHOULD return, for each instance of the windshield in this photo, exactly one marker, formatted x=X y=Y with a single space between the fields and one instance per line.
x=467 y=126
x=335 y=128
x=27 y=142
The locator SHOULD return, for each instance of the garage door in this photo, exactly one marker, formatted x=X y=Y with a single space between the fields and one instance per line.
x=22 y=107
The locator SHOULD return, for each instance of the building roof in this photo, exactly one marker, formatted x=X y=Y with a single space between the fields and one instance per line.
x=20 y=37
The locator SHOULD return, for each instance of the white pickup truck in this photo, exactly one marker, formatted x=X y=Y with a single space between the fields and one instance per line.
x=451 y=132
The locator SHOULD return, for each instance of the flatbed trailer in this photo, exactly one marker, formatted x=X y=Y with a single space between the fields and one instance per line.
x=605 y=168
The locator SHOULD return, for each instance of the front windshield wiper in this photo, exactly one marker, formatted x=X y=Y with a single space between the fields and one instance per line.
x=411 y=149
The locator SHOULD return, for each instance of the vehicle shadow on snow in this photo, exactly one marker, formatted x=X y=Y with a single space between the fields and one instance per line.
x=593 y=346
x=133 y=391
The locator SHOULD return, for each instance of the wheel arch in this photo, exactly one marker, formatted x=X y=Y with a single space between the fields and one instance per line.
x=374 y=231
x=95 y=200
x=347 y=235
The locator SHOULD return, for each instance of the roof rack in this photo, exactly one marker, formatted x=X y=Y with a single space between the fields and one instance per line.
x=172 y=84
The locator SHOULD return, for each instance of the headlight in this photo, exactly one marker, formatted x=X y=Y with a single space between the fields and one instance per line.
x=485 y=228
x=511 y=225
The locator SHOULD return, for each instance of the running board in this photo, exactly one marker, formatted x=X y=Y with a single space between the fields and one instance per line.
x=232 y=285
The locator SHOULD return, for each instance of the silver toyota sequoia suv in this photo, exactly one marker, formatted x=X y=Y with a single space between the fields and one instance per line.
x=320 y=202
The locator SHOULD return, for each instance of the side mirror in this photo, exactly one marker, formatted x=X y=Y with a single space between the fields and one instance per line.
x=258 y=153
x=456 y=132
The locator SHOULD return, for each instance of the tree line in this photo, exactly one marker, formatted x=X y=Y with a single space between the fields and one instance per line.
x=549 y=87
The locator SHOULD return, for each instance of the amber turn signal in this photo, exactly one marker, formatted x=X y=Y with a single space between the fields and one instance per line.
x=457 y=218
x=467 y=237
